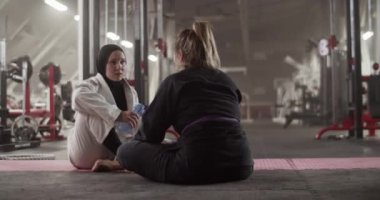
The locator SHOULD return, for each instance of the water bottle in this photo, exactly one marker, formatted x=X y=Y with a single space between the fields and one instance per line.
x=124 y=127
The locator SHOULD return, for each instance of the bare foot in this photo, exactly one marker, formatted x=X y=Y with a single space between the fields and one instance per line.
x=106 y=166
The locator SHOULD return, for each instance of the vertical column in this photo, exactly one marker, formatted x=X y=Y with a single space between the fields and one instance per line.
x=83 y=40
x=94 y=39
x=351 y=133
x=160 y=36
x=334 y=81
x=3 y=84
x=141 y=49
x=137 y=50
x=377 y=33
x=357 y=72
x=105 y=21
x=125 y=20
x=116 y=12
x=88 y=37
x=144 y=49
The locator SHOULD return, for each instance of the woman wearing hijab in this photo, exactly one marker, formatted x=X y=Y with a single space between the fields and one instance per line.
x=100 y=102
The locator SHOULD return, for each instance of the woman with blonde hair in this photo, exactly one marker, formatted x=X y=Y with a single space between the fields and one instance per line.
x=204 y=31
x=202 y=104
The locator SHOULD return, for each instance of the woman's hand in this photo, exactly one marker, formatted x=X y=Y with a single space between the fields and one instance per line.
x=129 y=117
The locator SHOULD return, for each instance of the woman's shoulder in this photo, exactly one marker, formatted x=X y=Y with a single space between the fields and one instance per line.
x=92 y=82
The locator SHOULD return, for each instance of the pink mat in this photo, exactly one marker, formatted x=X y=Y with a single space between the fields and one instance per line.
x=260 y=164
x=36 y=165
x=317 y=163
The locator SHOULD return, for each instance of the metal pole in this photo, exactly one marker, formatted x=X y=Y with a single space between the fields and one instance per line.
x=125 y=19
x=144 y=49
x=115 y=16
x=377 y=34
x=53 y=133
x=83 y=42
x=325 y=89
x=25 y=88
x=137 y=51
x=357 y=71
x=351 y=132
x=3 y=84
x=94 y=43
x=105 y=21
x=333 y=67
x=369 y=16
x=160 y=35
x=80 y=40
x=86 y=37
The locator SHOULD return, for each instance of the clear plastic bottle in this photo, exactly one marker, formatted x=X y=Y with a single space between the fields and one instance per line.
x=126 y=128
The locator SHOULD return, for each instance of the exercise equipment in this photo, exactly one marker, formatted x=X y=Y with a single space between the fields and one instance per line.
x=15 y=68
x=55 y=105
x=44 y=126
x=67 y=111
x=374 y=95
x=44 y=74
x=370 y=117
x=308 y=108
x=23 y=130
x=24 y=127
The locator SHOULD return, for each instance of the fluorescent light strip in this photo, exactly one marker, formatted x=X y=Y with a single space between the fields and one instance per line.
x=56 y=5
x=367 y=35
x=152 y=58
x=112 y=36
x=126 y=44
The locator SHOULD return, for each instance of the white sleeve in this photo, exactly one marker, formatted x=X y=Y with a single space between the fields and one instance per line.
x=135 y=96
x=86 y=99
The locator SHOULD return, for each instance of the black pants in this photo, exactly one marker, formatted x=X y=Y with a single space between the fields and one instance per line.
x=171 y=162
x=112 y=141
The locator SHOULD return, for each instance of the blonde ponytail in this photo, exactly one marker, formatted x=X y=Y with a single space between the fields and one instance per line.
x=204 y=32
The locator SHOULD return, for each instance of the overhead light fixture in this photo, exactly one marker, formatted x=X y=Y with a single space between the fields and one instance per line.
x=112 y=36
x=367 y=35
x=152 y=58
x=126 y=44
x=76 y=17
x=56 y=5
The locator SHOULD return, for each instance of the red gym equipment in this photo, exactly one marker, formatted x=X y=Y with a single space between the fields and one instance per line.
x=370 y=118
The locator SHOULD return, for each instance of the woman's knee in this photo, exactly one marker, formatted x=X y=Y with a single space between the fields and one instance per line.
x=81 y=163
x=126 y=152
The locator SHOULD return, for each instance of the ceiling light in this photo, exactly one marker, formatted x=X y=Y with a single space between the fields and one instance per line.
x=56 y=5
x=112 y=36
x=76 y=17
x=152 y=58
x=127 y=44
x=367 y=35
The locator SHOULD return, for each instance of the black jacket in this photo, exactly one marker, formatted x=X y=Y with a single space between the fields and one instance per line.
x=192 y=94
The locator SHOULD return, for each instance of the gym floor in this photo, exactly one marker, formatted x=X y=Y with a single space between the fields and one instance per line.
x=289 y=164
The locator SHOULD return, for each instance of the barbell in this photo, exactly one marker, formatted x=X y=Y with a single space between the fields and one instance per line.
x=44 y=74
